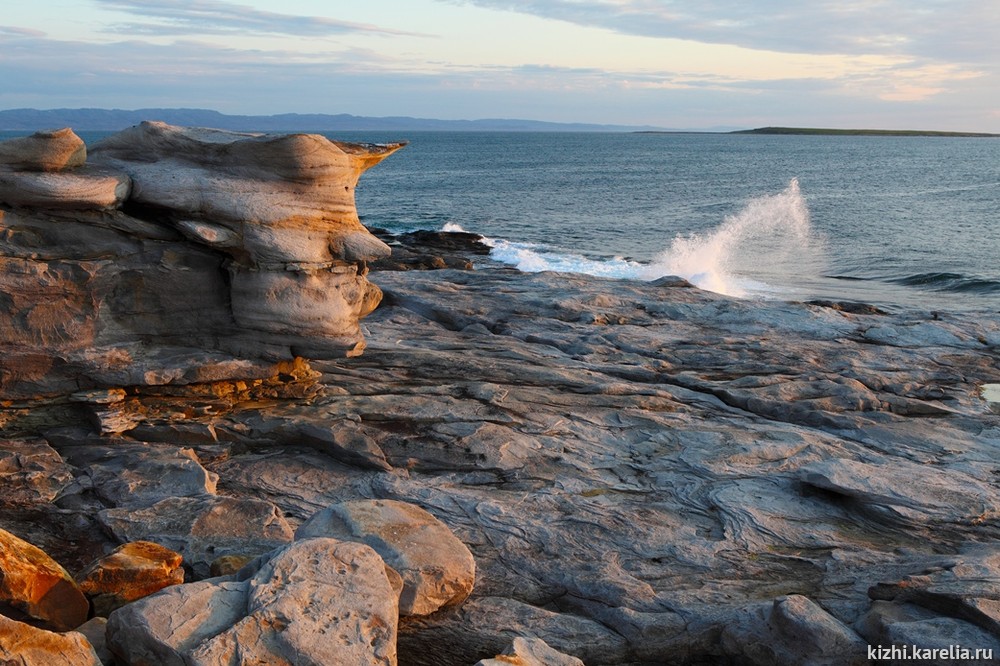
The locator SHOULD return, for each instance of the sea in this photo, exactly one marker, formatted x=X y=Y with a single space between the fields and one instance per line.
x=900 y=222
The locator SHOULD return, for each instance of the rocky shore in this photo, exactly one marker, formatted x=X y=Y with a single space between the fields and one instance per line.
x=199 y=465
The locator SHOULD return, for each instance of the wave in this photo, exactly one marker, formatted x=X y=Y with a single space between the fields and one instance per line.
x=956 y=282
x=769 y=242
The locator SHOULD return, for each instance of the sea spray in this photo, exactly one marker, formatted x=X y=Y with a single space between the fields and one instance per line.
x=765 y=247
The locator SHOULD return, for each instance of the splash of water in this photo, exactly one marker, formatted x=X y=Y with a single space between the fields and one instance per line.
x=770 y=241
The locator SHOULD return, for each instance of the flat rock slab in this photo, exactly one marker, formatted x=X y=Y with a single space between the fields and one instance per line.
x=917 y=492
x=135 y=475
x=316 y=601
x=437 y=569
x=202 y=528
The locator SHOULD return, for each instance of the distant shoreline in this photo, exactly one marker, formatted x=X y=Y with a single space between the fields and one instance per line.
x=858 y=132
x=821 y=131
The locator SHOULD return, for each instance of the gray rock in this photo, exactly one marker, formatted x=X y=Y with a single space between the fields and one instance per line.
x=317 y=601
x=437 y=569
x=202 y=528
x=913 y=491
x=792 y=630
x=125 y=474
x=31 y=472
x=163 y=628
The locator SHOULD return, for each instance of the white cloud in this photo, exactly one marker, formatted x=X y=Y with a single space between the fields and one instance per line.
x=957 y=29
x=181 y=17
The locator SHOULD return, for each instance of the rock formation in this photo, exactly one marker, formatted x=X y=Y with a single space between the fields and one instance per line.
x=172 y=256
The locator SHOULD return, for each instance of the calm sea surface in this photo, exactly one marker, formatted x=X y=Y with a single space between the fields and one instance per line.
x=897 y=221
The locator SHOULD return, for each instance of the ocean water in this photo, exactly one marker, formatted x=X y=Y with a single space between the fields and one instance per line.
x=900 y=222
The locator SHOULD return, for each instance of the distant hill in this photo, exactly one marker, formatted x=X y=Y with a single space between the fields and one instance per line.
x=858 y=132
x=118 y=119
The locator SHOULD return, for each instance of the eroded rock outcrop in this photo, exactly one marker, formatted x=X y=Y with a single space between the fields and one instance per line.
x=172 y=256
x=34 y=584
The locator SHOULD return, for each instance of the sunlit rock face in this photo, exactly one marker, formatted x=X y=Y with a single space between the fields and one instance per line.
x=169 y=255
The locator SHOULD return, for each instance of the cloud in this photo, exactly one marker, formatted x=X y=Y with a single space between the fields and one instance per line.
x=958 y=30
x=184 y=17
x=9 y=31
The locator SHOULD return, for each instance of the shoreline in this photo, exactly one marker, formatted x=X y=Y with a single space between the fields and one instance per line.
x=633 y=472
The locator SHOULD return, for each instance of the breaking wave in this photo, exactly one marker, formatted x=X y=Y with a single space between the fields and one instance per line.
x=768 y=243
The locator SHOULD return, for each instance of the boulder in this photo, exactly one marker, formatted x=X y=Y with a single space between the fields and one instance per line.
x=316 y=601
x=95 y=631
x=132 y=571
x=24 y=645
x=530 y=652
x=34 y=584
x=202 y=528
x=437 y=569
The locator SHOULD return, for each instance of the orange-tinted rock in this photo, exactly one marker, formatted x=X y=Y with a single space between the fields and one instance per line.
x=24 y=645
x=36 y=585
x=132 y=571
x=52 y=150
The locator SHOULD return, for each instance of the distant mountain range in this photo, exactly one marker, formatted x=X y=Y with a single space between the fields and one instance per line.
x=118 y=119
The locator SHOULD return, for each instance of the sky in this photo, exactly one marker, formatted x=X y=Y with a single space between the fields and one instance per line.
x=691 y=64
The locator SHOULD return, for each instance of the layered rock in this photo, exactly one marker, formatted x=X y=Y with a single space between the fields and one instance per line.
x=174 y=256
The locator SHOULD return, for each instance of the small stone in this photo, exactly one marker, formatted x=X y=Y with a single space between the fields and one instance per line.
x=530 y=652
x=132 y=571
x=228 y=564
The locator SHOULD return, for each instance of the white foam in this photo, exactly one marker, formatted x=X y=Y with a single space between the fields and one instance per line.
x=760 y=250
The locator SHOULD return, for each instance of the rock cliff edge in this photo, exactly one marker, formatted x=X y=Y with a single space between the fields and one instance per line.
x=168 y=255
